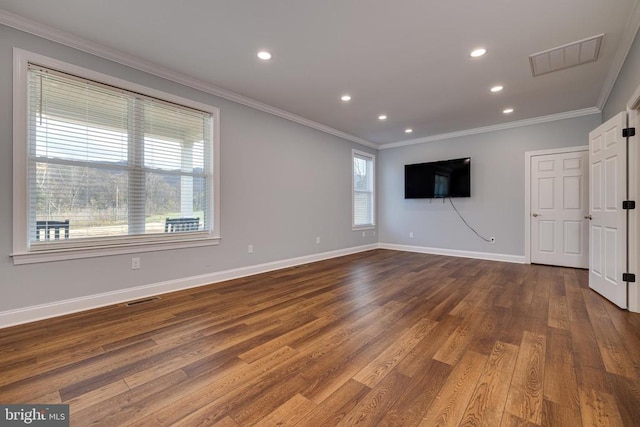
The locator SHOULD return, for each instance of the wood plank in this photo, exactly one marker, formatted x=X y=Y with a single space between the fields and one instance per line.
x=420 y=393
x=371 y=374
x=335 y=407
x=510 y=420
x=449 y=405
x=614 y=354
x=488 y=400
x=134 y=404
x=598 y=409
x=554 y=414
x=558 y=313
x=289 y=413
x=627 y=395
x=413 y=364
x=96 y=396
x=207 y=390
x=375 y=404
x=455 y=346
x=559 y=347
x=526 y=392
x=561 y=388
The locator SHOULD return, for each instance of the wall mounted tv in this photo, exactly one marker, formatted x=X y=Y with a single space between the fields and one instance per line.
x=446 y=178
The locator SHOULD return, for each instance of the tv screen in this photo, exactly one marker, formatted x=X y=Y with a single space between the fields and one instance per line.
x=446 y=178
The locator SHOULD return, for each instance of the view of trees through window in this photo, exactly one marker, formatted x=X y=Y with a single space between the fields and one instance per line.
x=96 y=201
x=362 y=190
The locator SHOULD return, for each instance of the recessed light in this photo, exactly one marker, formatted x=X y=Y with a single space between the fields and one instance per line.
x=408 y=130
x=264 y=55
x=478 y=52
x=345 y=98
x=507 y=111
x=382 y=117
x=496 y=88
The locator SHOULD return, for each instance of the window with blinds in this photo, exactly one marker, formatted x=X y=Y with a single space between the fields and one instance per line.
x=110 y=165
x=363 y=189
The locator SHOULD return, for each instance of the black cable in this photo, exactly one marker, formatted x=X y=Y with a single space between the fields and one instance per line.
x=466 y=223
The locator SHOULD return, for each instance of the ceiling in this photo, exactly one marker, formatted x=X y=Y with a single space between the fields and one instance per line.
x=408 y=59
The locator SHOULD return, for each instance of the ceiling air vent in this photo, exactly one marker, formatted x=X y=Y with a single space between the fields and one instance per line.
x=568 y=55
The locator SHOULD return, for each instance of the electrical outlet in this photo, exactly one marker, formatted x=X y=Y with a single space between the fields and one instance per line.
x=250 y=249
x=364 y=234
x=135 y=263
x=492 y=240
x=411 y=234
x=318 y=240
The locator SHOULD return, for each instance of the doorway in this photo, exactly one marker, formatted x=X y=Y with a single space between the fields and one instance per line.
x=558 y=207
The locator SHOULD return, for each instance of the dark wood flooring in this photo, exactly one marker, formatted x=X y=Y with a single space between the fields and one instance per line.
x=376 y=338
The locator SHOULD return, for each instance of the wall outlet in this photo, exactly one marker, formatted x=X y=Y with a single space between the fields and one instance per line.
x=317 y=240
x=250 y=249
x=411 y=234
x=492 y=240
x=135 y=263
x=364 y=234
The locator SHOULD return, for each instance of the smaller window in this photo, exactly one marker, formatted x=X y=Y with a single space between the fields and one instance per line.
x=363 y=190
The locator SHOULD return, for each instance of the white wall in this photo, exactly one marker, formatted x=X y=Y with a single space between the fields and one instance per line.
x=283 y=184
x=496 y=205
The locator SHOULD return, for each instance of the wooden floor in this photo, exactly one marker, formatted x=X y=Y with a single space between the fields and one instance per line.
x=377 y=338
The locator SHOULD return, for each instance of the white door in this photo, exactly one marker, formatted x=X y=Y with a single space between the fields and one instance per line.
x=608 y=228
x=559 y=209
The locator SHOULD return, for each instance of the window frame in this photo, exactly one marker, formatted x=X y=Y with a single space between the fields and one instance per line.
x=103 y=246
x=372 y=158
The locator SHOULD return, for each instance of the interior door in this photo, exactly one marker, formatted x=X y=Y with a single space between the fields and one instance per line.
x=608 y=228
x=559 y=209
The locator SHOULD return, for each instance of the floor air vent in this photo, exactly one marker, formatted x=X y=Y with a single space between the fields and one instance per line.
x=141 y=301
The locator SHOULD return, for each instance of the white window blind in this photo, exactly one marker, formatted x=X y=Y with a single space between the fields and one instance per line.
x=363 y=189
x=115 y=164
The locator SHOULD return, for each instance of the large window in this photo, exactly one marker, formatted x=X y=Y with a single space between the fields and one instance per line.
x=363 y=190
x=109 y=164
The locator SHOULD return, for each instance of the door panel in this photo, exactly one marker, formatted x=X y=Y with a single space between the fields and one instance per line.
x=572 y=192
x=608 y=230
x=573 y=237
x=547 y=236
x=559 y=205
x=596 y=253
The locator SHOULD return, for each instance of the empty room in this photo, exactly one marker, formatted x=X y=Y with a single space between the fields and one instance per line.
x=238 y=213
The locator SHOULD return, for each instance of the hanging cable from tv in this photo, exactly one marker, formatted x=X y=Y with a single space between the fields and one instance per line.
x=466 y=223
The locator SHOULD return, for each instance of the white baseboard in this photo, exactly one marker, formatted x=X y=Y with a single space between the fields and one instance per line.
x=454 y=252
x=59 y=308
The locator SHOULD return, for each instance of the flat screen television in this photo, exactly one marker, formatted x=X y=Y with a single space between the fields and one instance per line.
x=433 y=180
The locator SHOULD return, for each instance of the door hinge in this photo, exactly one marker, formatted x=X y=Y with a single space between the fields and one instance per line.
x=629 y=277
x=628 y=205
x=627 y=132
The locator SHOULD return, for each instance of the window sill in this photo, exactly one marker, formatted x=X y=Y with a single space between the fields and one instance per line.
x=363 y=227
x=120 y=249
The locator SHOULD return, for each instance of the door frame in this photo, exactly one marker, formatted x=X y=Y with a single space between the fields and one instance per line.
x=528 y=156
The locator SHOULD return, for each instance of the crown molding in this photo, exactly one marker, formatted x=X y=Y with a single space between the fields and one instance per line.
x=494 y=128
x=628 y=36
x=20 y=23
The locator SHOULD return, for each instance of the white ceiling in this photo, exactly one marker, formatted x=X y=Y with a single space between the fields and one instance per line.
x=408 y=59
